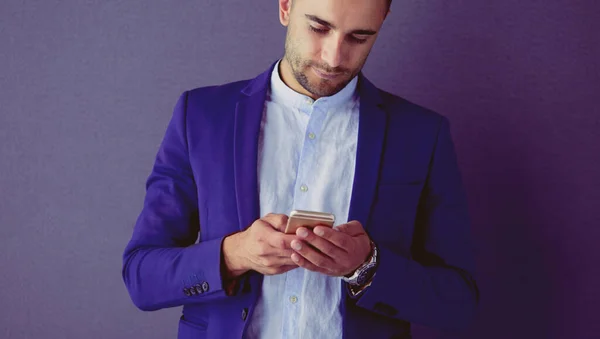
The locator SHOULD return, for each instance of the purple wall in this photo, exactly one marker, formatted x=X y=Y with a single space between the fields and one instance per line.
x=87 y=87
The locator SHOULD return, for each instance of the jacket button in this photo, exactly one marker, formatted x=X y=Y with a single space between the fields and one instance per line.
x=205 y=286
x=198 y=288
x=187 y=292
x=193 y=290
x=244 y=314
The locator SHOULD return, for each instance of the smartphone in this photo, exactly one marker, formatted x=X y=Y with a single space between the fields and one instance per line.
x=308 y=219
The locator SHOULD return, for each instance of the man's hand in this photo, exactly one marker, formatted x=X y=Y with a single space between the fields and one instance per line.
x=335 y=252
x=262 y=247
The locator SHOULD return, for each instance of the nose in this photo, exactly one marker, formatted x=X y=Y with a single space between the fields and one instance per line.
x=332 y=52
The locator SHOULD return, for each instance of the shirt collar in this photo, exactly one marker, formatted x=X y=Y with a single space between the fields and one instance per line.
x=281 y=93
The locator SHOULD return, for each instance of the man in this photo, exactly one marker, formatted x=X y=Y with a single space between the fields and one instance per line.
x=311 y=133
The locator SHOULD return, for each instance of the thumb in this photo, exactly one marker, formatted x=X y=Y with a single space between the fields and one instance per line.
x=351 y=228
x=277 y=221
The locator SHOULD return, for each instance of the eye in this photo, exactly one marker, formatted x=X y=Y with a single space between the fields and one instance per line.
x=356 y=40
x=318 y=30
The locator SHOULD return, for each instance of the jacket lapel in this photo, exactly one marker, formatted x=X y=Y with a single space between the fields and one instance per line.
x=248 y=115
x=371 y=133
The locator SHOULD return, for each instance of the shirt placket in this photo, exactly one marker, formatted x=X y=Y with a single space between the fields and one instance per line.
x=302 y=196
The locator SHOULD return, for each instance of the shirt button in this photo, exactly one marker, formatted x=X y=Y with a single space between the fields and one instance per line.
x=303 y=188
x=309 y=102
x=311 y=136
x=293 y=299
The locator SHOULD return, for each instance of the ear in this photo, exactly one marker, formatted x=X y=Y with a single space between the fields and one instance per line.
x=285 y=8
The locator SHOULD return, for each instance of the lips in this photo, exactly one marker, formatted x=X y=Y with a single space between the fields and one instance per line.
x=326 y=75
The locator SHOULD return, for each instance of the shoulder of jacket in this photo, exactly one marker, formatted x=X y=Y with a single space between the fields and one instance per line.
x=401 y=108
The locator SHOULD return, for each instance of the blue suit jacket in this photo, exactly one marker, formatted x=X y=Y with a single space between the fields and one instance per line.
x=407 y=192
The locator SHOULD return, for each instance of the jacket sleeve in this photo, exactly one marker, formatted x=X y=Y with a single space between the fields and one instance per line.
x=435 y=287
x=162 y=265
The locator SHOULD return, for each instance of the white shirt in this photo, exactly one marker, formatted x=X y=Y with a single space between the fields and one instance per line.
x=306 y=160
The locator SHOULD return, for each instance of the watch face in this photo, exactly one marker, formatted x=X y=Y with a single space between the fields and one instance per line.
x=362 y=278
x=365 y=275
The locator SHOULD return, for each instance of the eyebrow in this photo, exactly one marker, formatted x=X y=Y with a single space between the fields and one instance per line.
x=325 y=23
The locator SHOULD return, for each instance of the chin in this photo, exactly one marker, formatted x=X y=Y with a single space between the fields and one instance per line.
x=328 y=88
x=318 y=86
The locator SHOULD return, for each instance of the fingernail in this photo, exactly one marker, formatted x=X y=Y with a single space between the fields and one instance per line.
x=302 y=233
x=319 y=231
x=296 y=245
x=295 y=257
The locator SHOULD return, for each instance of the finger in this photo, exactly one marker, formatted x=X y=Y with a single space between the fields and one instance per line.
x=277 y=253
x=302 y=262
x=274 y=262
x=338 y=238
x=313 y=256
x=266 y=250
x=277 y=221
x=352 y=228
x=323 y=245
x=278 y=270
x=273 y=239
x=285 y=261
x=280 y=240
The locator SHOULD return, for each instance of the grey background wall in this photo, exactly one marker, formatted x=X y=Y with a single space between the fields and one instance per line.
x=87 y=87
